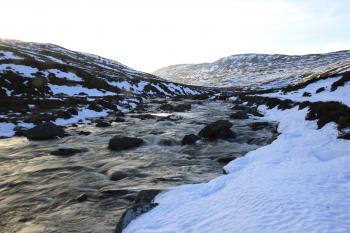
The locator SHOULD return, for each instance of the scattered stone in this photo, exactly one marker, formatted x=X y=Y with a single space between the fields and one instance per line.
x=66 y=151
x=118 y=175
x=83 y=197
x=119 y=119
x=218 y=130
x=45 y=131
x=307 y=94
x=239 y=115
x=118 y=143
x=320 y=90
x=189 y=139
x=175 y=108
x=84 y=133
x=259 y=125
x=102 y=124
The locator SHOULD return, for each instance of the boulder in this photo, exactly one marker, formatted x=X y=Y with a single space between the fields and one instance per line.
x=102 y=124
x=45 y=131
x=66 y=151
x=217 y=130
x=119 y=119
x=142 y=204
x=189 y=139
x=259 y=125
x=175 y=108
x=118 y=143
x=239 y=115
x=225 y=160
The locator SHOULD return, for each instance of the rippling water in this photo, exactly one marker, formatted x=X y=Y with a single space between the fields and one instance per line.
x=39 y=191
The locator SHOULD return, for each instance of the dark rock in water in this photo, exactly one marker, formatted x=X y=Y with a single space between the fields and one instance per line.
x=102 y=124
x=146 y=196
x=20 y=131
x=175 y=108
x=66 y=151
x=84 y=133
x=142 y=204
x=166 y=142
x=118 y=175
x=306 y=94
x=345 y=136
x=81 y=198
x=189 y=139
x=119 y=114
x=259 y=125
x=239 y=115
x=217 y=130
x=45 y=131
x=226 y=159
x=320 y=90
x=114 y=192
x=122 y=143
x=145 y=116
x=119 y=119
x=74 y=125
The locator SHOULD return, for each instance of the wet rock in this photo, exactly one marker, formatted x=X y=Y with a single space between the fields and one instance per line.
x=189 y=139
x=175 y=108
x=142 y=204
x=20 y=131
x=102 y=124
x=217 y=130
x=239 y=115
x=225 y=159
x=118 y=143
x=84 y=133
x=259 y=125
x=114 y=192
x=344 y=135
x=145 y=116
x=66 y=151
x=45 y=131
x=119 y=114
x=119 y=119
x=118 y=175
x=81 y=198
x=166 y=142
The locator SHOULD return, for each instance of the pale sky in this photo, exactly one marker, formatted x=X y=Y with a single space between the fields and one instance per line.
x=149 y=34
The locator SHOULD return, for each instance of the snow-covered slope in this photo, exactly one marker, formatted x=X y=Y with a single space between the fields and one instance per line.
x=254 y=70
x=47 y=70
x=45 y=82
x=299 y=183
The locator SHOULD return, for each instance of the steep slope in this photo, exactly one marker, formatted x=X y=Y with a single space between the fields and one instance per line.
x=254 y=70
x=44 y=82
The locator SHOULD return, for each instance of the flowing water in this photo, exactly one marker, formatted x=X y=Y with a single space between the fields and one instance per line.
x=39 y=192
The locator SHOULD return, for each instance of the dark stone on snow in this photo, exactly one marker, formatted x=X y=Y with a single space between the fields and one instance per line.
x=45 y=131
x=217 y=130
x=66 y=151
x=122 y=143
x=306 y=94
x=320 y=90
x=189 y=139
x=102 y=124
x=20 y=131
x=142 y=204
x=345 y=136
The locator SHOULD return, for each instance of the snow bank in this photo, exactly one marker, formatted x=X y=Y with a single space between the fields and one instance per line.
x=75 y=90
x=299 y=183
x=341 y=94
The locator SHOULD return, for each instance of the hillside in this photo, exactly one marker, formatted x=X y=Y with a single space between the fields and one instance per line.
x=45 y=82
x=257 y=71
